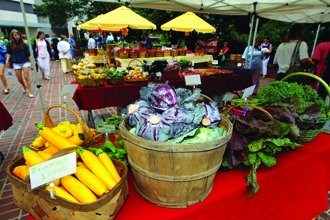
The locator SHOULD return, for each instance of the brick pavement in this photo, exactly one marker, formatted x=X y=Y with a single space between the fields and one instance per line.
x=26 y=112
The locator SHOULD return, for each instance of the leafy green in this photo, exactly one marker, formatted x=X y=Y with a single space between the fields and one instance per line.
x=114 y=120
x=110 y=149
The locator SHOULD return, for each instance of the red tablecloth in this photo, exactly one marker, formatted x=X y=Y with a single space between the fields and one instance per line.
x=123 y=95
x=5 y=118
x=296 y=188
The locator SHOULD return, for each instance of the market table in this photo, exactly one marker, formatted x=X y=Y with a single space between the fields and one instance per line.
x=5 y=121
x=295 y=188
x=123 y=95
x=134 y=62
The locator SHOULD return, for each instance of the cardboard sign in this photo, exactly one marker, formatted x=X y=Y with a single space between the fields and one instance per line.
x=149 y=63
x=163 y=48
x=215 y=62
x=68 y=90
x=175 y=46
x=106 y=128
x=248 y=92
x=228 y=97
x=85 y=71
x=239 y=64
x=119 y=69
x=53 y=169
x=158 y=74
x=192 y=63
x=136 y=47
x=193 y=80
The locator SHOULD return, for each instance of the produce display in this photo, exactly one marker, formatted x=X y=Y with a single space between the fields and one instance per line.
x=136 y=75
x=256 y=139
x=81 y=64
x=167 y=114
x=185 y=63
x=96 y=174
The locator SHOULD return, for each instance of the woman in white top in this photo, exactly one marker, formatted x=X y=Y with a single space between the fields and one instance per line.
x=285 y=50
x=64 y=54
x=91 y=43
x=41 y=49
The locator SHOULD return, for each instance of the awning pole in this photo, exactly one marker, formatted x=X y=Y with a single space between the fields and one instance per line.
x=254 y=40
x=32 y=57
x=250 y=34
x=317 y=35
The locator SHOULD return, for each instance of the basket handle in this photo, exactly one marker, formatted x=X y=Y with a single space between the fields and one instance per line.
x=132 y=61
x=259 y=108
x=208 y=98
x=310 y=75
x=49 y=122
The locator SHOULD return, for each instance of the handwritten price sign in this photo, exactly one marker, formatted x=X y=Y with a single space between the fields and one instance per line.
x=53 y=169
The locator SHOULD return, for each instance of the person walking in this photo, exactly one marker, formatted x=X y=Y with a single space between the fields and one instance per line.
x=64 y=54
x=42 y=52
x=319 y=56
x=5 y=40
x=54 y=43
x=72 y=46
x=256 y=65
x=91 y=42
x=285 y=51
x=20 y=56
x=267 y=47
x=3 y=54
x=146 y=42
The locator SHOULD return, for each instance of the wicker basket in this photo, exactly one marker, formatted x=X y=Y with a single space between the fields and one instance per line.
x=309 y=135
x=91 y=83
x=116 y=81
x=167 y=53
x=123 y=55
x=92 y=137
x=133 y=55
x=175 y=53
x=39 y=204
x=151 y=53
x=159 y=53
x=182 y=53
x=142 y=54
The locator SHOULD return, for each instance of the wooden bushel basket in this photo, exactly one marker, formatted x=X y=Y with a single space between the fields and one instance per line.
x=39 y=204
x=174 y=175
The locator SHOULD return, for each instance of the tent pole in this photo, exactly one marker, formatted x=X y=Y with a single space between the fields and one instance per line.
x=32 y=57
x=254 y=40
x=317 y=35
x=250 y=34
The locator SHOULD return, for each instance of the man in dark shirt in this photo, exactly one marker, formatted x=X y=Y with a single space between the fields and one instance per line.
x=54 y=43
x=326 y=77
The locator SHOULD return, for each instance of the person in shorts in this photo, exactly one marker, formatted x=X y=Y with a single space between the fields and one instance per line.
x=19 y=53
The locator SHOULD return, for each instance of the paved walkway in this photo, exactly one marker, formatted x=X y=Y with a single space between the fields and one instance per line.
x=25 y=112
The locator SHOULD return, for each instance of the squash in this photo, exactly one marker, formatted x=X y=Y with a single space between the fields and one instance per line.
x=61 y=192
x=64 y=124
x=78 y=189
x=81 y=164
x=39 y=142
x=51 y=149
x=31 y=157
x=22 y=172
x=44 y=155
x=77 y=139
x=79 y=128
x=63 y=131
x=95 y=165
x=91 y=181
x=74 y=128
x=57 y=182
x=107 y=163
x=52 y=137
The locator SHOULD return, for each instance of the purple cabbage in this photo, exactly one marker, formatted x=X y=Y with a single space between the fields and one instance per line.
x=160 y=96
x=186 y=99
x=153 y=127
x=207 y=115
x=135 y=109
x=181 y=120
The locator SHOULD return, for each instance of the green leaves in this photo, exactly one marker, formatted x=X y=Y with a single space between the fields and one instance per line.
x=110 y=149
x=268 y=160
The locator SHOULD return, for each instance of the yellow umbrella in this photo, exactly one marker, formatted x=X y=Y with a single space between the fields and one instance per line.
x=122 y=17
x=187 y=23
x=95 y=27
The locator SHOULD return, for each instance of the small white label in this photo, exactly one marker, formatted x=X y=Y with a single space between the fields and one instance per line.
x=136 y=47
x=239 y=64
x=192 y=69
x=146 y=73
x=106 y=128
x=53 y=169
x=149 y=63
x=85 y=71
x=192 y=63
x=158 y=74
x=125 y=51
x=119 y=69
x=215 y=62
x=228 y=97
x=193 y=80
x=248 y=91
x=105 y=57
x=141 y=69
x=190 y=54
x=163 y=48
x=174 y=46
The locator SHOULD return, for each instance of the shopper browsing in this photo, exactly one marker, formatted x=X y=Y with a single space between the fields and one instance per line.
x=91 y=43
x=146 y=42
x=54 y=43
x=19 y=53
x=42 y=52
x=3 y=54
x=72 y=46
x=64 y=54
x=267 y=47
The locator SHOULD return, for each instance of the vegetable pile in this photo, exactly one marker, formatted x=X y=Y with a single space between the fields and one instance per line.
x=256 y=139
x=170 y=115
